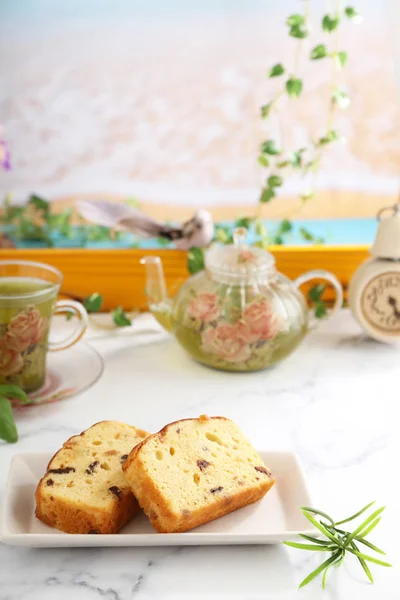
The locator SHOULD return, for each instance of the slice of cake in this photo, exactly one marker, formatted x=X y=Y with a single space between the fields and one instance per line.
x=84 y=489
x=194 y=471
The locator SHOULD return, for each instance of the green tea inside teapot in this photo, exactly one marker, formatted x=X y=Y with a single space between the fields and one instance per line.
x=239 y=313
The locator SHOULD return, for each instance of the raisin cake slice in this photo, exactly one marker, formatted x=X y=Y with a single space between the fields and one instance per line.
x=84 y=489
x=194 y=471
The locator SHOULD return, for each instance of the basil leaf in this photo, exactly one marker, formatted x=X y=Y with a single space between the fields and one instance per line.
x=119 y=317
x=13 y=391
x=195 y=262
x=8 y=429
x=315 y=295
x=93 y=303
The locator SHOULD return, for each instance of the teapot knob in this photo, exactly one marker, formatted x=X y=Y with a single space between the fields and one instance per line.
x=240 y=236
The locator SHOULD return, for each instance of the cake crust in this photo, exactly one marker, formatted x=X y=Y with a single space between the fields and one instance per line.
x=226 y=477
x=83 y=489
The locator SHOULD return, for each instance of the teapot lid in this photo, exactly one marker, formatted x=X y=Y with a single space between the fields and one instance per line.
x=239 y=263
x=387 y=240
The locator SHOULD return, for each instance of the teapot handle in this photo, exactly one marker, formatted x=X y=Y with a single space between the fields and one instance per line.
x=322 y=274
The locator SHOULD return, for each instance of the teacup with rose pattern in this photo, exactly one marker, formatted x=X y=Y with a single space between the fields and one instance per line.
x=28 y=300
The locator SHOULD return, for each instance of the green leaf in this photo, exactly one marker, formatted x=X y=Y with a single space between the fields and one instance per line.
x=309 y=237
x=294 y=20
x=315 y=540
x=265 y=110
x=307 y=196
x=263 y=160
x=364 y=525
x=221 y=235
x=8 y=429
x=274 y=181
x=329 y=23
x=244 y=222
x=299 y=31
x=314 y=510
x=363 y=563
x=318 y=52
x=269 y=147
x=357 y=514
x=369 y=545
x=276 y=70
x=13 y=391
x=295 y=158
x=321 y=528
x=282 y=164
x=372 y=559
x=315 y=294
x=341 y=98
x=336 y=562
x=319 y=569
x=320 y=310
x=312 y=547
x=120 y=318
x=93 y=303
x=277 y=240
x=353 y=14
x=331 y=136
x=195 y=261
x=40 y=204
x=341 y=58
x=260 y=229
x=294 y=87
x=266 y=195
x=285 y=226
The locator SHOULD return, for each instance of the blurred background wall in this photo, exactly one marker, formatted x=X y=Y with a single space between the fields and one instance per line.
x=159 y=100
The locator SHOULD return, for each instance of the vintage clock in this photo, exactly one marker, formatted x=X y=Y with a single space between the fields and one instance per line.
x=374 y=291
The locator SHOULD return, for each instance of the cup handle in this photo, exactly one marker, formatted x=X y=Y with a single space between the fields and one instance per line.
x=322 y=274
x=69 y=307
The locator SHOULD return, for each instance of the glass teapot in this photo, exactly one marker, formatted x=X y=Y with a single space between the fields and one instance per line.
x=239 y=314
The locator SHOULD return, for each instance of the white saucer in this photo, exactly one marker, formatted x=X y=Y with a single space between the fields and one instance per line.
x=69 y=372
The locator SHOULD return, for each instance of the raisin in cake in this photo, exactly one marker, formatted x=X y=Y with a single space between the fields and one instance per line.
x=84 y=489
x=194 y=471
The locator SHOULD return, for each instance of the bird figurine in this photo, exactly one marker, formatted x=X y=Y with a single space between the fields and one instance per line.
x=198 y=231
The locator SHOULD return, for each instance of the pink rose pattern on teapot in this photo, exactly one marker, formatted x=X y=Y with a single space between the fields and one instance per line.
x=22 y=335
x=233 y=342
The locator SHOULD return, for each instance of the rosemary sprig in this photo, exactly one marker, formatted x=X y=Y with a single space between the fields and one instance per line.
x=339 y=541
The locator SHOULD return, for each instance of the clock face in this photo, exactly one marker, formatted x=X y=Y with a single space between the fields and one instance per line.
x=380 y=302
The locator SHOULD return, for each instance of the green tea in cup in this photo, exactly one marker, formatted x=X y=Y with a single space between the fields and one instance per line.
x=28 y=300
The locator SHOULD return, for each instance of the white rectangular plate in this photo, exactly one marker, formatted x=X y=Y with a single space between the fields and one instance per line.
x=275 y=518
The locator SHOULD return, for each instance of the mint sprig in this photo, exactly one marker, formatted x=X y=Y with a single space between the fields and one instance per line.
x=338 y=541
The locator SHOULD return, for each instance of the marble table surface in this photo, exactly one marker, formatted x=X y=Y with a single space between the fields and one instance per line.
x=335 y=402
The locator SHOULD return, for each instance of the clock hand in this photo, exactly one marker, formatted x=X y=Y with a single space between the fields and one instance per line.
x=393 y=303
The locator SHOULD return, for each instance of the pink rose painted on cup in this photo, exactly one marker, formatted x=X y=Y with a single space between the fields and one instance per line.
x=258 y=322
x=226 y=342
x=205 y=307
x=11 y=360
x=26 y=329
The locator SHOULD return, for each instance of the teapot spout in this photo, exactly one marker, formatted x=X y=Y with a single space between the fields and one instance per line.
x=160 y=305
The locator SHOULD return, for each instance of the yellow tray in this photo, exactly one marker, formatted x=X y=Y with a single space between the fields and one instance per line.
x=120 y=278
